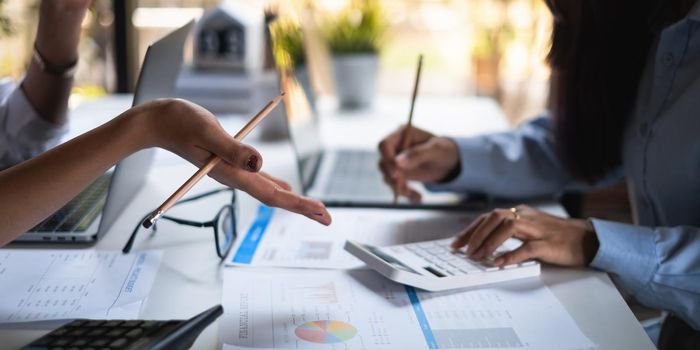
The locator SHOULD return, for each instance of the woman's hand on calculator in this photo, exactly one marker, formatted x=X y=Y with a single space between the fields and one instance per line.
x=551 y=239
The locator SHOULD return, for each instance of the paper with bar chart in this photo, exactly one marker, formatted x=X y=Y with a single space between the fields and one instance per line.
x=283 y=239
x=358 y=309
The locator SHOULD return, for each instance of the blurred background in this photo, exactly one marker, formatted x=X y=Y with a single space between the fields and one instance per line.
x=491 y=48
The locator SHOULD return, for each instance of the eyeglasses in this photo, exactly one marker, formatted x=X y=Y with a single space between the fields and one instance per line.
x=224 y=223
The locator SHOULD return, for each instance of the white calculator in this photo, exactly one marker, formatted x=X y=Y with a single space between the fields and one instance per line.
x=434 y=266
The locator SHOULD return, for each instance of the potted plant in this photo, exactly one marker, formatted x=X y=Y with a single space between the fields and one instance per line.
x=354 y=38
x=290 y=54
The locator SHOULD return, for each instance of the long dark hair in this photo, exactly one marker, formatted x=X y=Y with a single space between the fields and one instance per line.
x=598 y=53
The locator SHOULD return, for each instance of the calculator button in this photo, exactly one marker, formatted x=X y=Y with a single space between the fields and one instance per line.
x=78 y=332
x=112 y=323
x=116 y=332
x=119 y=342
x=134 y=333
x=99 y=342
x=150 y=324
x=97 y=332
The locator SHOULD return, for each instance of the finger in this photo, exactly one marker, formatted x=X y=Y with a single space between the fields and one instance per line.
x=413 y=195
x=415 y=157
x=463 y=238
x=281 y=183
x=224 y=146
x=269 y=193
x=388 y=146
x=529 y=250
x=505 y=230
x=387 y=169
x=494 y=219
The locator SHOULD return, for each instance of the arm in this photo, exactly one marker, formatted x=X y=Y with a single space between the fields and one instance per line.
x=33 y=116
x=660 y=266
x=57 y=42
x=515 y=164
x=48 y=181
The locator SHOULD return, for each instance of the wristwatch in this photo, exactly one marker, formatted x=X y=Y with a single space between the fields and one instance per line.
x=66 y=72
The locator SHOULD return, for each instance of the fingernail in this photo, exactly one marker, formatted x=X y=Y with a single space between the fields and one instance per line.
x=252 y=163
x=401 y=160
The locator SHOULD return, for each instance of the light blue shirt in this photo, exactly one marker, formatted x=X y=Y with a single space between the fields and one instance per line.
x=23 y=133
x=658 y=260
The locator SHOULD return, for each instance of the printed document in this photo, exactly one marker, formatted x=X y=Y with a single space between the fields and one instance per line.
x=359 y=309
x=283 y=239
x=40 y=285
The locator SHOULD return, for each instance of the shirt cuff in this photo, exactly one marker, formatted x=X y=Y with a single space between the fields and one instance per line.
x=627 y=251
x=25 y=123
x=471 y=152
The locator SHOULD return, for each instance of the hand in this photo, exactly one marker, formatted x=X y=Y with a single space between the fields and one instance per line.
x=566 y=242
x=428 y=158
x=193 y=133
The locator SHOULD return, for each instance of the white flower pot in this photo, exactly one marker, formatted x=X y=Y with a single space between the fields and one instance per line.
x=355 y=79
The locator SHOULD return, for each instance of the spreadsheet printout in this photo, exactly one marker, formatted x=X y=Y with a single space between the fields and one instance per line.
x=40 y=285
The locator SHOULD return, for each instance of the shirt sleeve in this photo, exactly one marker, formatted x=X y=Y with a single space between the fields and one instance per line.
x=659 y=266
x=515 y=164
x=23 y=132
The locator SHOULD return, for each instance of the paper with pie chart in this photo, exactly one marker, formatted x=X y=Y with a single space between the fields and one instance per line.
x=359 y=309
x=325 y=331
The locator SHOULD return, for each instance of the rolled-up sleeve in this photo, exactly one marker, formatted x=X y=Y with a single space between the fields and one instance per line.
x=516 y=164
x=658 y=266
x=23 y=133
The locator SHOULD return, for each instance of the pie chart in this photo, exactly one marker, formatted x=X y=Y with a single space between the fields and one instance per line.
x=325 y=331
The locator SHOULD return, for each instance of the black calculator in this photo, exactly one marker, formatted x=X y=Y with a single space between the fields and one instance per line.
x=126 y=334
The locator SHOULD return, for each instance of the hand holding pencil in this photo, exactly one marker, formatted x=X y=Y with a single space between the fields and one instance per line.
x=411 y=153
x=246 y=176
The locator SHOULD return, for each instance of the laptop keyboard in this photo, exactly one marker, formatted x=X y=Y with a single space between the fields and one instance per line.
x=355 y=173
x=81 y=211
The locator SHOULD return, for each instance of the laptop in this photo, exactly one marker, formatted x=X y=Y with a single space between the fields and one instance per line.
x=343 y=177
x=88 y=216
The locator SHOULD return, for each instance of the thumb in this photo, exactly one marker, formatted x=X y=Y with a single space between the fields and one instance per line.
x=415 y=157
x=233 y=152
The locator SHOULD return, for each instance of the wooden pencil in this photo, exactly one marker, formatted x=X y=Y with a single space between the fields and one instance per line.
x=405 y=140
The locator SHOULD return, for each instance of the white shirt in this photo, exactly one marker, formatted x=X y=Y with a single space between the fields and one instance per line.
x=23 y=132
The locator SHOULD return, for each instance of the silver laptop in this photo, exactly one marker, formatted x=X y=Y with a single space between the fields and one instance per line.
x=344 y=177
x=88 y=216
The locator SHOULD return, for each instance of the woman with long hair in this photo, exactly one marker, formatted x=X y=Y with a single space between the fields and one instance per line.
x=625 y=104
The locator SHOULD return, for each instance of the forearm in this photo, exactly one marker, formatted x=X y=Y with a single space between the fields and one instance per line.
x=57 y=40
x=657 y=265
x=32 y=190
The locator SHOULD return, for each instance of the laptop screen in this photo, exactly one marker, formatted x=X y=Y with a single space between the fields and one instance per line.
x=302 y=123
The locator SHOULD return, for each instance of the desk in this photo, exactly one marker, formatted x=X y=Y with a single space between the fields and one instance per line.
x=190 y=280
